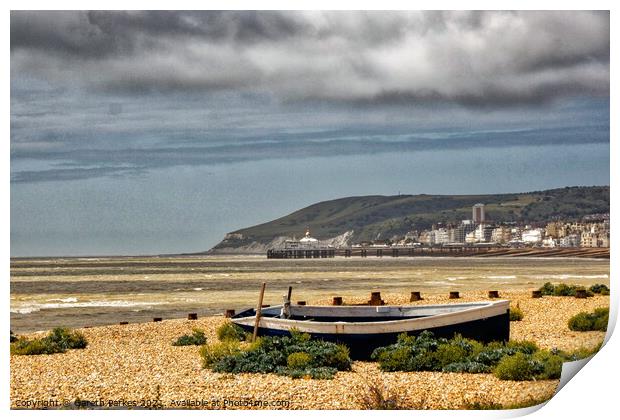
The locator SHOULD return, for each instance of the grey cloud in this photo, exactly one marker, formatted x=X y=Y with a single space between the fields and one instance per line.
x=88 y=34
x=470 y=58
x=74 y=164
x=72 y=174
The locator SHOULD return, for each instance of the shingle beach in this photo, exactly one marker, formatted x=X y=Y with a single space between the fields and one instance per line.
x=136 y=364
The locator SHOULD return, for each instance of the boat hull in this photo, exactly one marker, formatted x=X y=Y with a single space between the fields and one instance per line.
x=485 y=325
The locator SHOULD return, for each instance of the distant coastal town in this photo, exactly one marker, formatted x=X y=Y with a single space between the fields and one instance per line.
x=591 y=231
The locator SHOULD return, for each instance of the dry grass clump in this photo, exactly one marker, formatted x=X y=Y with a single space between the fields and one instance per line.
x=377 y=396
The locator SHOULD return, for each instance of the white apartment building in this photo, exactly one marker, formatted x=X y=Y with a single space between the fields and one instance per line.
x=532 y=236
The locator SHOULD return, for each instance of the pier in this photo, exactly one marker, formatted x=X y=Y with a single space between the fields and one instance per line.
x=437 y=251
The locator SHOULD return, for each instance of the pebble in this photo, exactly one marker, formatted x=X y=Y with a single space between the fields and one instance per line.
x=137 y=363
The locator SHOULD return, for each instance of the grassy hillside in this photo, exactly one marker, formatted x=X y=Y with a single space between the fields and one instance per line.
x=374 y=217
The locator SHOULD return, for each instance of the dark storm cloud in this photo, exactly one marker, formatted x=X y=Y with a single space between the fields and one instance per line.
x=106 y=33
x=118 y=93
x=470 y=58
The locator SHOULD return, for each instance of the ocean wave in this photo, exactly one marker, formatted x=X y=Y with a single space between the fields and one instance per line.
x=64 y=300
x=28 y=308
x=500 y=277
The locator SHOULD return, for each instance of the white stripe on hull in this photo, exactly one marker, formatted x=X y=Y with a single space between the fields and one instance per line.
x=444 y=315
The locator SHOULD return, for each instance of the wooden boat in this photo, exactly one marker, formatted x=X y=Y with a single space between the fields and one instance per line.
x=364 y=328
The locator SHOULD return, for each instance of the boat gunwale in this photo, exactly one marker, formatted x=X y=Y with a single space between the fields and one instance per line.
x=474 y=307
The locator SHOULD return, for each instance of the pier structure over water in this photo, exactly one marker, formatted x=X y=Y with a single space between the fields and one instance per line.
x=309 y=247
x=306 y=247
x=436 y=251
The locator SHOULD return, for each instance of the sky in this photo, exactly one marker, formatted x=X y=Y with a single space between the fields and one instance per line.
x=159 y=132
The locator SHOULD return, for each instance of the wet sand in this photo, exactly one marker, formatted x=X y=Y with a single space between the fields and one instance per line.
x=77 y=292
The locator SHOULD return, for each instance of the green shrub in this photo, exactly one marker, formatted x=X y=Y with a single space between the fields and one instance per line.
x=547 y=289
x=565 y=290
x=297 y=356
x=524 y=346
x=516 y=314
x=24 y=346
x=552 y=364
x=518 y=367
x=427 y=353
x=214 y=353
x=562 y=289
x=230 y=331
x=393 y=359
x=516 y=360
x=197 y=338
x=599 y=289
x=525 y=367
x=337 y=357
x=449 y=353
x=581 y=322
x=58 y=340
x=409 y=353
x=584 y=321
x=494 y=352
x=299 y=360
x=67 y=339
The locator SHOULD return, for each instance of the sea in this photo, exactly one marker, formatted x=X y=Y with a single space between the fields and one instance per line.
x=79 y=292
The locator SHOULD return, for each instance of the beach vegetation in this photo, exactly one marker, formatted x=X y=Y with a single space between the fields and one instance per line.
x=599 y=289
x=297 y=356
x=562 y=289
x=516 y=314
x=298 y=360
x=59 y=340
x=580 y=353
x=213 y=353
x=585 y=321
x=551 y=364
x=525 y=367
x=196 y=338
x=425 y=352
x=377 y=396
x=230 y=331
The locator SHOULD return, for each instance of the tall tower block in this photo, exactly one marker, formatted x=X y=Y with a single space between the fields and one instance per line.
x=478 y=213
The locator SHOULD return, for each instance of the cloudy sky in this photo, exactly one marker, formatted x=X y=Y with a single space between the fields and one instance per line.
x=156 y=132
